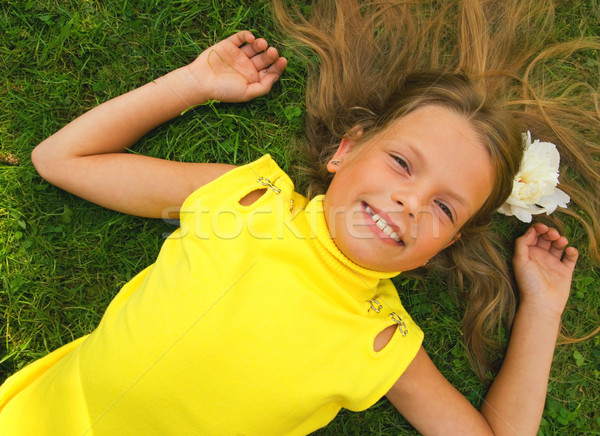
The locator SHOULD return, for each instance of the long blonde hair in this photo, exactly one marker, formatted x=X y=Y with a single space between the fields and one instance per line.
x=381 y=59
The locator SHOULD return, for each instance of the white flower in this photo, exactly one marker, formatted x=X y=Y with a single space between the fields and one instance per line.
x=534 y=187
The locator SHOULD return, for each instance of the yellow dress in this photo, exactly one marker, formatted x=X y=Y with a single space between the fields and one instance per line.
x=250 y=322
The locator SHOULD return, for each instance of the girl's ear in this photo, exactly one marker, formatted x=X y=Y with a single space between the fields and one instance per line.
x=346 y=145
x=454 y=239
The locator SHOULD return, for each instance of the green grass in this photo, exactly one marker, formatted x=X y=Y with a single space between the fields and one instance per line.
x=63 y=259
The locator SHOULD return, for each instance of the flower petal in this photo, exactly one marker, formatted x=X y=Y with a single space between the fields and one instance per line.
x=546 y=151
x=551 y=202
x=523 y=215
x=505 y=209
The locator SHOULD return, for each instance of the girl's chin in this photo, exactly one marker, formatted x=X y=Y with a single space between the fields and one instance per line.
x=374 y=263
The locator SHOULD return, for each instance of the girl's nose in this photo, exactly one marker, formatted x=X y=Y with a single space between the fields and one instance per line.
x=410 y=204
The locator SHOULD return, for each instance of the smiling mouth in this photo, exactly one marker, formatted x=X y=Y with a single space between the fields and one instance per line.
x=383 y=225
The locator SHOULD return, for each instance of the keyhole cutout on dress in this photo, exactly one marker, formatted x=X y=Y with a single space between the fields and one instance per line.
x=384 y=337
x=251 y=197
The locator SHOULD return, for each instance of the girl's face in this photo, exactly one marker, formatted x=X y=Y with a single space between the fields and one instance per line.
x=402 y=196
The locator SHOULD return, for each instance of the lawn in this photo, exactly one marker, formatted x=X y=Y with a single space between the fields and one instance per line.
x=62 y=259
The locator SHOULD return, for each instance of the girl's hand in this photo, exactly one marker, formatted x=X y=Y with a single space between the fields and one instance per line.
x=236 y=69
x=543 y=267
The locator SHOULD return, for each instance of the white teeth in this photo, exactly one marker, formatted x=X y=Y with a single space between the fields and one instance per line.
x=382 y=225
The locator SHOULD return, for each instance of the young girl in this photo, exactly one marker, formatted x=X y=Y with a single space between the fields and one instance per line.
x=266 y=311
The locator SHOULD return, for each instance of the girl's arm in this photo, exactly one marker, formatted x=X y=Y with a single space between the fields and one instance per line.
x=515 y=402
x=87 y=157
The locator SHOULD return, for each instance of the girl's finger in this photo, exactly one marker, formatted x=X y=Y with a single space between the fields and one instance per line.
x=522 y=244
x=237 y=39
x=533 y=233
x=265 y=59
x=540 y=228
x=276 y=68
x=570 y=259
x=267 y=78
x=546 y=239
x=271 y=74
x=529 y=237
x=257 y=46
x=557 y=248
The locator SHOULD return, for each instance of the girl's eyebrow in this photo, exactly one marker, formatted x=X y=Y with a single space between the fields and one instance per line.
x=458 y=198
x=415 y=150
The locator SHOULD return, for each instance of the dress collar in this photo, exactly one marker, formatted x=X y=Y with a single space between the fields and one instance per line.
x=336 y=259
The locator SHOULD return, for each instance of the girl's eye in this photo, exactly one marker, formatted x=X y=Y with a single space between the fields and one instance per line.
x=446 y=210
x=402 y=163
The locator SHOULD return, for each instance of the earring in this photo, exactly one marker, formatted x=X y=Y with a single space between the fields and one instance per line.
x=335 y=162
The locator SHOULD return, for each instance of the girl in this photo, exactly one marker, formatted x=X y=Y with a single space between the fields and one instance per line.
x=266 y=312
